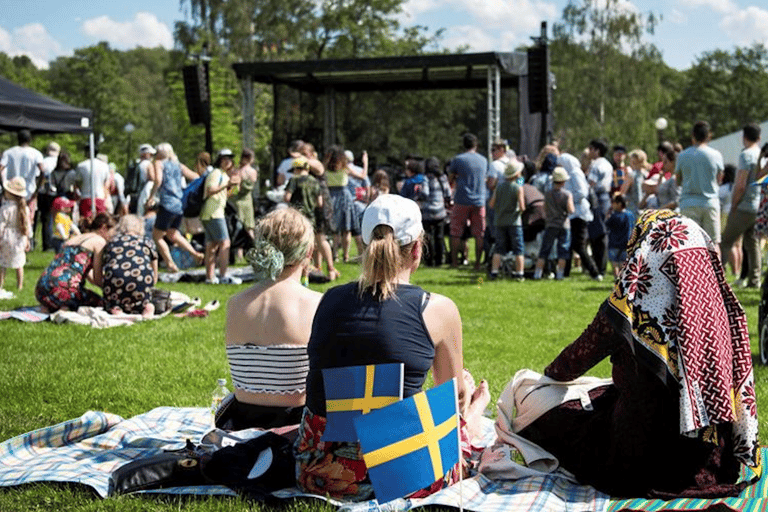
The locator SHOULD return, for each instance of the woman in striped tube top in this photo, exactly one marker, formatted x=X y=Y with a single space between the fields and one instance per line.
x=268 y=328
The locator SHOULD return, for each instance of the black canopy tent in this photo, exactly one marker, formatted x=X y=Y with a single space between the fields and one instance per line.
x=492 y=70
x=21 y=108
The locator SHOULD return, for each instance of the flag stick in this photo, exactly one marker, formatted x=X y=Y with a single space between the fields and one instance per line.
x=458 y=438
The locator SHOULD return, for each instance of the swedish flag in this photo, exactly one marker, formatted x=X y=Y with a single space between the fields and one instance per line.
x=354 y=390
x=410 y=444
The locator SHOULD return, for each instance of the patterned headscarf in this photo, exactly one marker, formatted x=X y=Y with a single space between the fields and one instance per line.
x=683 y=322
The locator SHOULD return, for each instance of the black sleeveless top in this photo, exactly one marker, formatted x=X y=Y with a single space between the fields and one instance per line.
x=350 y=330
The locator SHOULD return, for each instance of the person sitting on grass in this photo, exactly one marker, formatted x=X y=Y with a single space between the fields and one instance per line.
x=381 y=318
x=268 y=327
x=508 y=202
x=62 y=283
x=558 y=206
x=129 y=269
x=681 y=415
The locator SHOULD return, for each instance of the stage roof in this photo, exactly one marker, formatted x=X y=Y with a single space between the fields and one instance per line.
x=445 y=71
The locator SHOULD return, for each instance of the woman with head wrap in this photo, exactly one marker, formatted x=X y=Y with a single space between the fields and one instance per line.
x=681 y=415
x=268 y=328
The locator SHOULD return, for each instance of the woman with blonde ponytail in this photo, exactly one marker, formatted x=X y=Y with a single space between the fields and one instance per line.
x=381 y=318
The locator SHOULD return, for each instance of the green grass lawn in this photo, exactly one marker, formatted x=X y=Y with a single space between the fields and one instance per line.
x=52 y=373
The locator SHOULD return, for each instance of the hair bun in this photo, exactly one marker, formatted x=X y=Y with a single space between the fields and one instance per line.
x=267 y=261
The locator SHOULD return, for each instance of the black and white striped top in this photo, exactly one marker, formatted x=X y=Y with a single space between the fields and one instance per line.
x=274 y=369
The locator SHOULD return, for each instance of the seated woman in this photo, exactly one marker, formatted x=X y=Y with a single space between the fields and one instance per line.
x=382 y=318
x=62 y=284
x=268 y=327
x=681 y=414
x=129 y=269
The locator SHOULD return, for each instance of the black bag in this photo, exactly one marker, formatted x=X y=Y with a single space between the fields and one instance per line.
x=161 y=299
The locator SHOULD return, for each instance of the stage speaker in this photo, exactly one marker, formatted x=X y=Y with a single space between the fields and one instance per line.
x=197 y=94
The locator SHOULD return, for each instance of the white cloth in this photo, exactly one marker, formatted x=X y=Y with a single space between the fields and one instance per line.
x=24 y=161
x=577 y=185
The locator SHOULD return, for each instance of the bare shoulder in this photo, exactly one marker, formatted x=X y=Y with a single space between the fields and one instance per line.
x=441 y=315
x=441 y=305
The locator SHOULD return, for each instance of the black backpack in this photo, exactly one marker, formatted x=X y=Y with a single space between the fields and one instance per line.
x=133 y=184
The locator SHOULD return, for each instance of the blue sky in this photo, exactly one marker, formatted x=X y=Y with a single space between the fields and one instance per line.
x=46 y=29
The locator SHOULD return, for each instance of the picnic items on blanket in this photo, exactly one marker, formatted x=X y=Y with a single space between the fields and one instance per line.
x=253 y=467
x=161 y=299
x=525 y=398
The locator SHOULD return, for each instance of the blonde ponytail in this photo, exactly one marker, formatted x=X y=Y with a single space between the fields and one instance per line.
x=382 y=261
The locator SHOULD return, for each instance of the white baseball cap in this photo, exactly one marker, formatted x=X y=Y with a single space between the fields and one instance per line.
x=147 y=148
x=401 y=214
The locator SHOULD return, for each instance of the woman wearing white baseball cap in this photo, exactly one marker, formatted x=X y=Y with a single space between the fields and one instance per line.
x=381 y=318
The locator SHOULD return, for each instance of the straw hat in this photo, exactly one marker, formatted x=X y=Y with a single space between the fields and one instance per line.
x=16 y=186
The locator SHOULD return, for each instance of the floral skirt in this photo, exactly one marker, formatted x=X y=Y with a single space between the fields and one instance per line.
x=337 y=469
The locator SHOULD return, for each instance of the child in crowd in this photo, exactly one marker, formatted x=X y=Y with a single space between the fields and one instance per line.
x=558 y=205
x=15 y=230
x=619 y=224
x=63 y=226
x=415 y=186
x=508 y=202
x=379 y=184
x=304 y=192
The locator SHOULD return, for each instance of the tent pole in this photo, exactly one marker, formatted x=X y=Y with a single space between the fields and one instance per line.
x=93 y=177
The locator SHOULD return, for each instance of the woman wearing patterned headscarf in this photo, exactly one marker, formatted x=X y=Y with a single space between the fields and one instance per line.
x=681 y=416
x=268 y=327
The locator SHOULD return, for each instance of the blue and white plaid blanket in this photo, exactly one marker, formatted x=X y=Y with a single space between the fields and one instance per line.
x=88 y=449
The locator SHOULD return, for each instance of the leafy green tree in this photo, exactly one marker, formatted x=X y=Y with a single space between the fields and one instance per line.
x=610 y=82
x=728 y=89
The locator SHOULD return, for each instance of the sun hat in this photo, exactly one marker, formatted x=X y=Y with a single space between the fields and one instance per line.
x=515 y=167
x=147 y=148
x=401 y=214
x=559 y=175
x=16 y=186
x=62 y=203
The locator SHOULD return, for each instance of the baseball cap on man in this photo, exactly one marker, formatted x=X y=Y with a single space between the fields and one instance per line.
x=225 y=152
x=403 y=215
x=147 y=148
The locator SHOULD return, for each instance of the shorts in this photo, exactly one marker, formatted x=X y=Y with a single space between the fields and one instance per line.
x=463 y=212
x=215 y=230
x=166 y=220
x=616 y=255
x=706 y=217
x=509 y=239
x=563 y=237
x=85 y=207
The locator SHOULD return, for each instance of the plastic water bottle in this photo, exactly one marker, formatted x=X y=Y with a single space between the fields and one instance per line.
x=218 y=395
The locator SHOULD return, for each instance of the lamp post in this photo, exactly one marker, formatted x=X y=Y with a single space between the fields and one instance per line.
x=128 y=128
x=661 y=125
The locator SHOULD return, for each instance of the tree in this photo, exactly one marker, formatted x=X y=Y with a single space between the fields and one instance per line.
x=728 y=89
x=610 y=82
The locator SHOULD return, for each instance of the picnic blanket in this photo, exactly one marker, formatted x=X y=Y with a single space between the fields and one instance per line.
x=96 y=317
x=198 y=275
x=88 y=449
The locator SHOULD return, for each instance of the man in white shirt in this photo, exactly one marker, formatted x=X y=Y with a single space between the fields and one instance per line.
x=92 y=184
x=25 y=161
x=600 y=177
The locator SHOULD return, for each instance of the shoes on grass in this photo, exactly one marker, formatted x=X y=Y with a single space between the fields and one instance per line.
x=230 y=280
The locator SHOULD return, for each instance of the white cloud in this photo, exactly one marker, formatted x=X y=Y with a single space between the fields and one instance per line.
x=715 y=5
x=746 y=26
x=32 y=40
x=472 y=36
x=143 y=30
x=676 y=17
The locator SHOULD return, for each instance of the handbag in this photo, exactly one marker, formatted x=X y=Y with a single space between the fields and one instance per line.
x=161 y=299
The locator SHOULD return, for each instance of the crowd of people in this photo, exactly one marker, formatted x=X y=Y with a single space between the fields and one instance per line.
x=680 y=418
